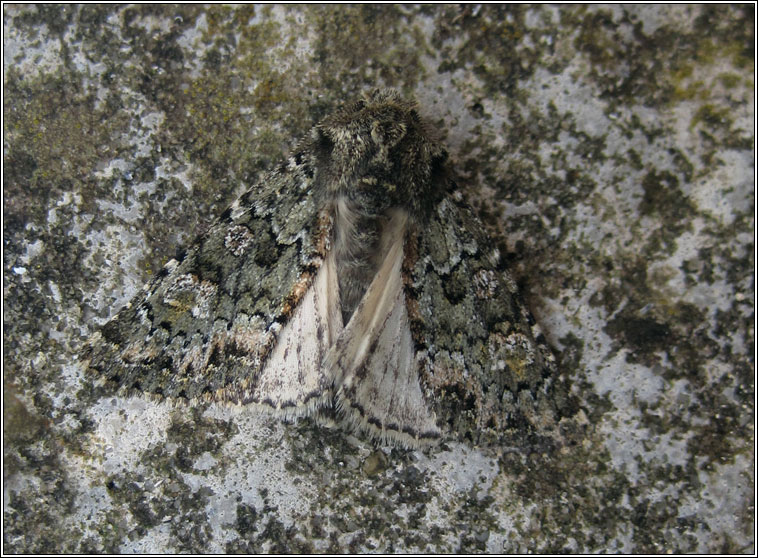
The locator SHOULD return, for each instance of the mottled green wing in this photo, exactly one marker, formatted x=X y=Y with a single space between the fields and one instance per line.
x=206 y=325
x=483 y=363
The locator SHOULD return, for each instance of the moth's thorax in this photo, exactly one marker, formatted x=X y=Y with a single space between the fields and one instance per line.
x=378 y=151
x=359 y=248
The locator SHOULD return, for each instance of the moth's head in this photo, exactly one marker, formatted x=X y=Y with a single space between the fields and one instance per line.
x=379 y=146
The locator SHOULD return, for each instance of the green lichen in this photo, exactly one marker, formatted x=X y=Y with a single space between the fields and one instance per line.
x=35 y=517
x=55 y=131
x=366 y=44
x=148 y=501
x=232 y=108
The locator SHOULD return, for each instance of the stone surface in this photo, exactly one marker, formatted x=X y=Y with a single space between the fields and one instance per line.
x=608 y=148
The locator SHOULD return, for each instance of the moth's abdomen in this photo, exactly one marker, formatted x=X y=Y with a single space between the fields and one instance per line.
x=357 y=249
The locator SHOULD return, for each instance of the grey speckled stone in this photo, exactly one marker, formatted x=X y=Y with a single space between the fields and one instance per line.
x=608 y=148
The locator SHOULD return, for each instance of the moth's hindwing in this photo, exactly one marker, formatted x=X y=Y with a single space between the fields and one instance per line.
x=374 y=358
x=219 y=323
x=483 y=363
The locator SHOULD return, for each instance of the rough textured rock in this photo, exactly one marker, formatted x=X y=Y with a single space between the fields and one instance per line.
x=608 y=148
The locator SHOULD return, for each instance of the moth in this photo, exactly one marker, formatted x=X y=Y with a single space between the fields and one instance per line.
x=351 y=280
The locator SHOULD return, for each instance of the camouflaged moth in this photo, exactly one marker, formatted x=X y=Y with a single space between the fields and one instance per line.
x=351 y=278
